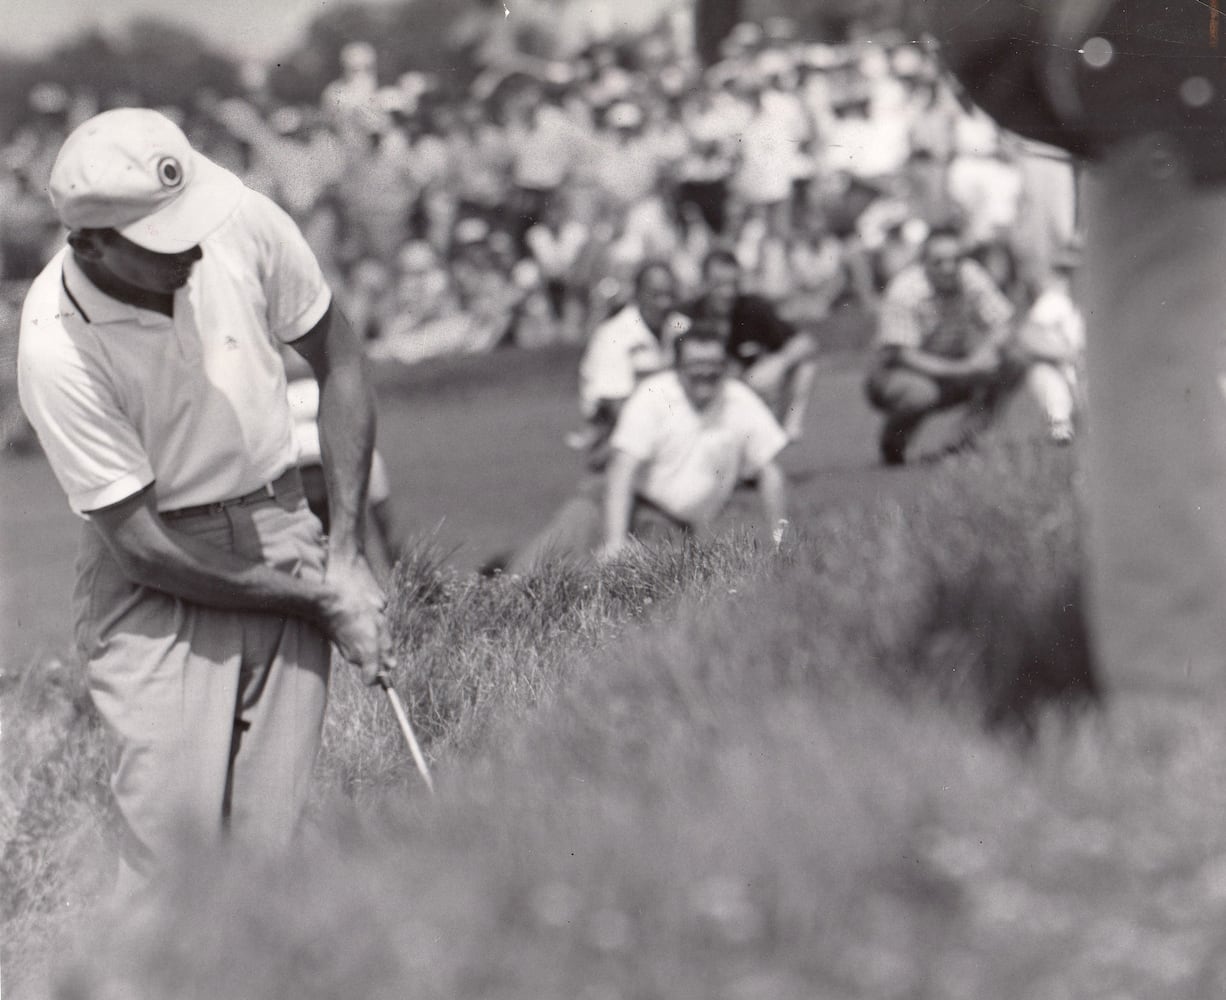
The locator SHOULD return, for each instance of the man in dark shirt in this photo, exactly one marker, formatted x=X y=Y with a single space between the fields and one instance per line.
x=772 y=357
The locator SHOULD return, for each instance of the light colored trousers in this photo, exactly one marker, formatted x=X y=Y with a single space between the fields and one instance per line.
x=217 y=715
x=1054 y=388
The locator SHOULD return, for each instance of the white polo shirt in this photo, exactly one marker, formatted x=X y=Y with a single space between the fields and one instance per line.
x=122 y=397
x=621 y=352
x=695 y=459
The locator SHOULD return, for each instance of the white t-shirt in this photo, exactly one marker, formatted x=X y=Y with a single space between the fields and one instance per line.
x=557 y=253
x=122 y=396
x=1054 y=327
x=988 y=192
x=621 y=352
x=767 y=156
x=544 y=154
x=695 y=459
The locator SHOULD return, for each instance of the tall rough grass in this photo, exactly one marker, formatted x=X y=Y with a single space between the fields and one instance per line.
x=850 y=770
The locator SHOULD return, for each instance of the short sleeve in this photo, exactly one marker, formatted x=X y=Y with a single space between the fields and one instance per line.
x=898 y=323
x=295 y=290
x=764 y=438
x=93 y=448
x=991 y=305
x=639 y=422
x=606 y=371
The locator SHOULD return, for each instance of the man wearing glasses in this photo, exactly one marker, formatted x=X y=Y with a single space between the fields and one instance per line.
x=940 y=344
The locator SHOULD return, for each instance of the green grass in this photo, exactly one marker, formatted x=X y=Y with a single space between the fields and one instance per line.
x=866 y=768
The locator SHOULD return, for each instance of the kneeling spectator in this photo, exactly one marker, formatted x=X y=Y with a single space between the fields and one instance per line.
x=941 y=343
x=1051 y=342
x=683 y=442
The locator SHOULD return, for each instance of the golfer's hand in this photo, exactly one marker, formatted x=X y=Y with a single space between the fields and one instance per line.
x=354 y=616
x=360 y=636
x=352 y=574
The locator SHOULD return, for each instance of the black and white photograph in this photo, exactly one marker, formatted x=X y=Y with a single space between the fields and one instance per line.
x=613 y=500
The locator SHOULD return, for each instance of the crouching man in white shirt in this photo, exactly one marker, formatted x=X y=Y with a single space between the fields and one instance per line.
x=683 y=441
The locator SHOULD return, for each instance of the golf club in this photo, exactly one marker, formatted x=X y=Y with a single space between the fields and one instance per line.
x=406 y=728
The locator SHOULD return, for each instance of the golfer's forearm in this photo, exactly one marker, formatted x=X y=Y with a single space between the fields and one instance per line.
x=346 y=435
x=346 y=438
x=346 y=424
x=185 y=567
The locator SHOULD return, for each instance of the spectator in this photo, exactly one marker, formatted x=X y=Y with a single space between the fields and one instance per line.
x=984 y=183
x=379 y=192
x=420 y=295
x=766 y=168
x=349 y=103
x=556 y=243
x=704 y=171
x=1051 y=341
x=622 y=351
x=771 y=356
x=650 y=157
x=683 y=442
x=941 y=338
x=544 y=149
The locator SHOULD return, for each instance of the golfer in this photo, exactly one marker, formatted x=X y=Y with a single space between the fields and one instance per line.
x=206 y=593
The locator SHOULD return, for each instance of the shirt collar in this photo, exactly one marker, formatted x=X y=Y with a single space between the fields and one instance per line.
x=99 y=307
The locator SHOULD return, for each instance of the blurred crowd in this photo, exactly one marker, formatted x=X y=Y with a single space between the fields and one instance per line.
x=519 y=211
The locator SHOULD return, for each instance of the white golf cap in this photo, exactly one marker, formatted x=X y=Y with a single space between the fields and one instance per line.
x=133 y=170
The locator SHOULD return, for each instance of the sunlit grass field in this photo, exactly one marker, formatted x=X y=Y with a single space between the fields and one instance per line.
x=871 y=766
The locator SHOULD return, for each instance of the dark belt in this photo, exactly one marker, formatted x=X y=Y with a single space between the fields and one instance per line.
x=289 y=482
x=642 y=502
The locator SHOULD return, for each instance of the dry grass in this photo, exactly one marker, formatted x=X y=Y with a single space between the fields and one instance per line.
x=859 y=769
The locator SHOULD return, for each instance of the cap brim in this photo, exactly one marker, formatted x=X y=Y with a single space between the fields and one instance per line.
x=205 y=204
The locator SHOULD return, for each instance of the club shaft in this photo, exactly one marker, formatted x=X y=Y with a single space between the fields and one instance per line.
x=407 y=729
